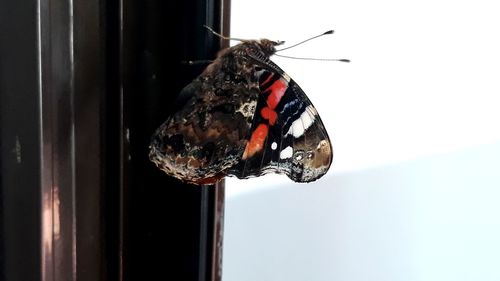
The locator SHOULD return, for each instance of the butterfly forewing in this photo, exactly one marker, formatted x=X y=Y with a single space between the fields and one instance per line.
x=296 y=142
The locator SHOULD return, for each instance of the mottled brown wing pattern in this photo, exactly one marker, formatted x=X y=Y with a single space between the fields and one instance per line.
x=208 y=134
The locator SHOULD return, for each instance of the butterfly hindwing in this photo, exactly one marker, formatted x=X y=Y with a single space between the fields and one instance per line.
x=207 y=133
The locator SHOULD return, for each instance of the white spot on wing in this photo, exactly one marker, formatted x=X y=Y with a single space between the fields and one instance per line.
x=312 y=110
x=296 y=129
x=301 y=124
x=247 y=109
x=274 y=145
x=299 y=156
x=286 y=153
x=286 y=77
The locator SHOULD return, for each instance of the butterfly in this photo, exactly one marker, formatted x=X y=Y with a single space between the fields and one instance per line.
x=244 y=117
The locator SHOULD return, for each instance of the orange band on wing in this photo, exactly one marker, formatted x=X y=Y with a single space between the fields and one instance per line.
x=269 y=114
x=267 y=80
x=278 y=89
x=256 y=142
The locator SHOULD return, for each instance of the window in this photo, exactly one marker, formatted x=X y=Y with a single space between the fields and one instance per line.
x=412 y=191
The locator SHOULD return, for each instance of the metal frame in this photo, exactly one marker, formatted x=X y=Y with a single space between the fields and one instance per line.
x=150 y=80
x=78 y=200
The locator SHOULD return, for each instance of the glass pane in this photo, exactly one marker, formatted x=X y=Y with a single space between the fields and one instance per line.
x=412 y=192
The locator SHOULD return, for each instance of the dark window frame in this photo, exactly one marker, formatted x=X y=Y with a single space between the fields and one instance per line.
x=78 y=103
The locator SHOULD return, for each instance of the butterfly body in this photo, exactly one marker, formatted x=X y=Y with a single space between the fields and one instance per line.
x=245 y=117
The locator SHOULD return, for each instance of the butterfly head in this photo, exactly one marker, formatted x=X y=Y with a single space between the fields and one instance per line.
x=268 y=47
x=262 y=47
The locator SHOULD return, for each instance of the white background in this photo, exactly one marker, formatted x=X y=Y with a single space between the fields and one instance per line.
x=414 y=190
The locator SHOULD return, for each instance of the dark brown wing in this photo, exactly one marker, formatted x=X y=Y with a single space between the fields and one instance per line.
x=208 y=134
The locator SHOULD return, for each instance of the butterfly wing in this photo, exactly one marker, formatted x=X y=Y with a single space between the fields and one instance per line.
x=287 y=134
x=242 y=116
x=208 y=133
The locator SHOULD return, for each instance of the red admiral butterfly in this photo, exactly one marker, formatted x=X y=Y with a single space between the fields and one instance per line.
x=245 y=117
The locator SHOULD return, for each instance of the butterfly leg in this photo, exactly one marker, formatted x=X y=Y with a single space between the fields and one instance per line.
x=196 y=62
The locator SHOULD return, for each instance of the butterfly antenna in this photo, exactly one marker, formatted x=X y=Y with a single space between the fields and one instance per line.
x=222 y=36
x=302 y=42
x=317 y=59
